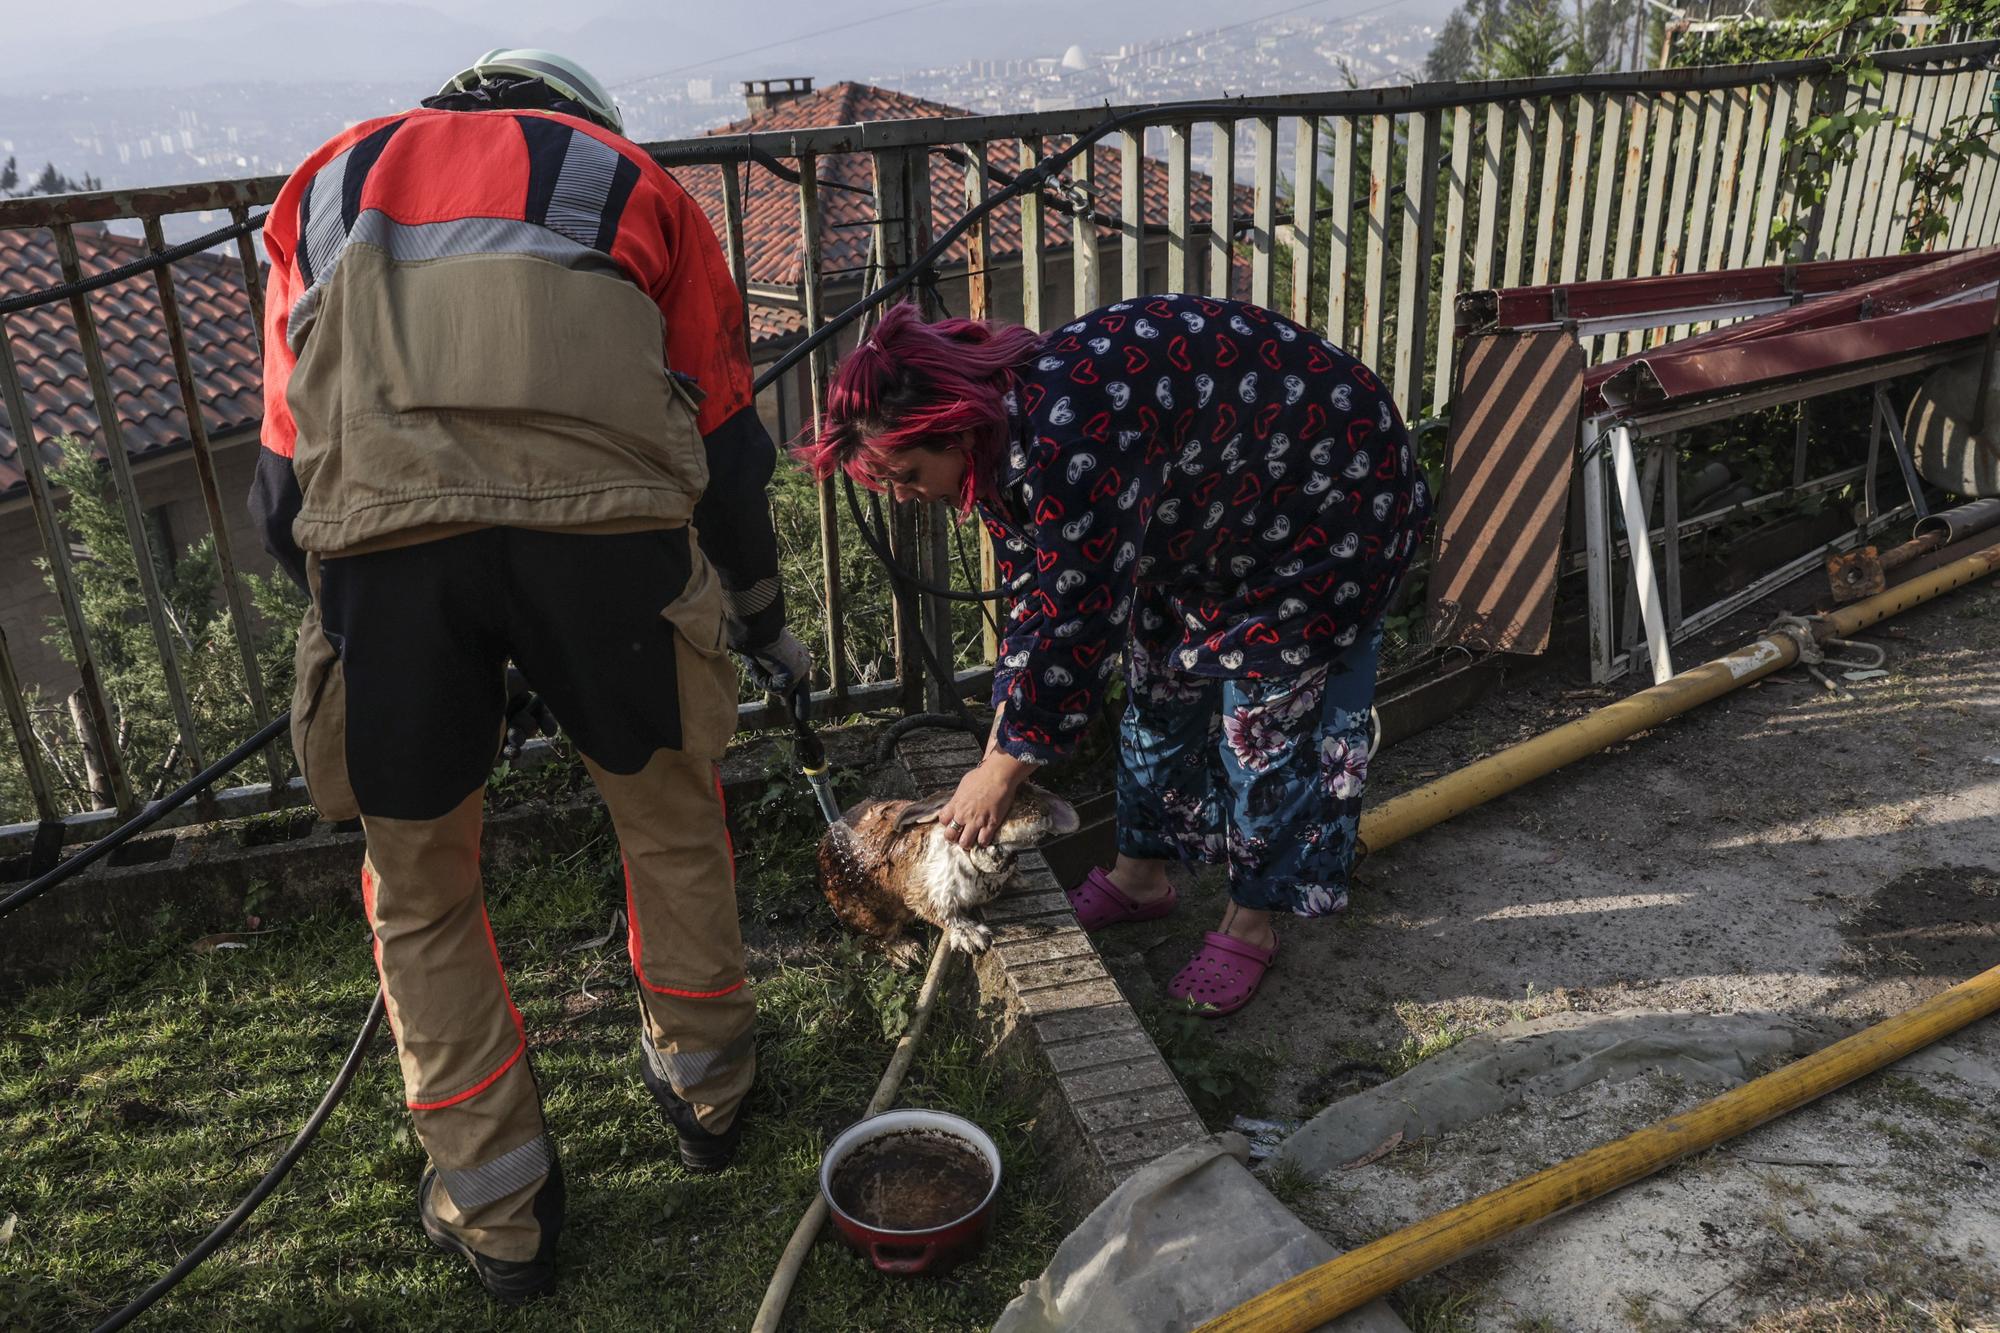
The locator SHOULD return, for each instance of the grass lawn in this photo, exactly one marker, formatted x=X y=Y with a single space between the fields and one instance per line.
x=141 y=1097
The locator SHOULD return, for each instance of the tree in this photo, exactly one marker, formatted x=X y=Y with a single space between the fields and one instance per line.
x=10 y=176
x=121 y=640
x=1523 y=39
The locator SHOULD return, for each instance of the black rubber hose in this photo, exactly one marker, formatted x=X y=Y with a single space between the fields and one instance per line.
x=272 y=1179
x=145 y=819
x=885 y=749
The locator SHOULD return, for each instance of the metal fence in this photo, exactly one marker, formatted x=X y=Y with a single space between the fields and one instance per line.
x=1418 y=194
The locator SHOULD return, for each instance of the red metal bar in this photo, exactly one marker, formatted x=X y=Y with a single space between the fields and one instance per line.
x=1552 y=305
x=1945 y=301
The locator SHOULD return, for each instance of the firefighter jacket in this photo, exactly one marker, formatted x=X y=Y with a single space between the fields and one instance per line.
x=506 y=318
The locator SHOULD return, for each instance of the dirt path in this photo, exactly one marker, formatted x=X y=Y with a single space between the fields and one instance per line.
x=1826 y=859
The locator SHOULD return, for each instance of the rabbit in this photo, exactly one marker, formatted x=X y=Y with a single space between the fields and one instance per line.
x=890 y=863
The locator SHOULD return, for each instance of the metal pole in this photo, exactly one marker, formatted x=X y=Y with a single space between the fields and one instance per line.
x=55 y=547
x=120 y=465
x=211 y=497
x=1638 y=530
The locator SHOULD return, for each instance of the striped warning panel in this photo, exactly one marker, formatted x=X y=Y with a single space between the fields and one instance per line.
x=1513 y=443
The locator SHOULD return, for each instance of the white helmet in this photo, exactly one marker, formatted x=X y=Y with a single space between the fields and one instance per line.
x=560 y=73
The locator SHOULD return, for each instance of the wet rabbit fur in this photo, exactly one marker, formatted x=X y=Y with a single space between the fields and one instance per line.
x=893 y=864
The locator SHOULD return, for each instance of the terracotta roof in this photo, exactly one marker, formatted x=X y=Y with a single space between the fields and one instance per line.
x=222 y=343
x=773 y=252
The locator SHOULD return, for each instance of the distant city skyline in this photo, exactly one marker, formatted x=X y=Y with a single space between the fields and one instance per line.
x=146 y=136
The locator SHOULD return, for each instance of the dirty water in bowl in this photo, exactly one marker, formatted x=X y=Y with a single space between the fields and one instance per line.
x=913 y=1180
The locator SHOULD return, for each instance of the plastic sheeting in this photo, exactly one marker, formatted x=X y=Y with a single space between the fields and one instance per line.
x=1543 y=1058
x=1189 y=1237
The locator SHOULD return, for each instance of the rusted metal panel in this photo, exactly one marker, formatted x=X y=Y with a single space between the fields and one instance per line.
x=211 y=498
x=1512 y=447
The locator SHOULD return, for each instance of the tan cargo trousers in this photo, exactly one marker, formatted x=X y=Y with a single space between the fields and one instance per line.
x=398 y=715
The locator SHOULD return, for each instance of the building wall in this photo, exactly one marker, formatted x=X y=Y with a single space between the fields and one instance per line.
x=29 y=611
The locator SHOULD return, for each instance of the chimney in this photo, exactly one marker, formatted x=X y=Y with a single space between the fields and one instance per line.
x=762 y=94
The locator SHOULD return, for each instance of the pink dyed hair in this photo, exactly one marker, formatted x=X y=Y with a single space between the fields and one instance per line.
x=911 y=384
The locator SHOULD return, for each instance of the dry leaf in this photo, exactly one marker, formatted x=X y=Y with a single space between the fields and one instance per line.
x=7 y=1230
x=1376 y=1153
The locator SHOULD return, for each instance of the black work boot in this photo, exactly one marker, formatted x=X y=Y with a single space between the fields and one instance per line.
x=701 y=1149
x=509 y=1281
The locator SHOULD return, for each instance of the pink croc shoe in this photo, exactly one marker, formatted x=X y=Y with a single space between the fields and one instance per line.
x=1223 y=976
x=1098 y=902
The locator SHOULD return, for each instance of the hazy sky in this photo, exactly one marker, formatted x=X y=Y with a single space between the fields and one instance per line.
x=105 y=43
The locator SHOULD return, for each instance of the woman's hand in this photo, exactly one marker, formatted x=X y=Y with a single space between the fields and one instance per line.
x=975 y=812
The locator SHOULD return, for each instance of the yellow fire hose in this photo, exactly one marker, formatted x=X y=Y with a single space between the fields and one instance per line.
x=1496 y=775
x=1359 y=1276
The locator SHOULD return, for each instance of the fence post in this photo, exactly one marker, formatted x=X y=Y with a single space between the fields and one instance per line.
x=128 y=499
x=95 y=724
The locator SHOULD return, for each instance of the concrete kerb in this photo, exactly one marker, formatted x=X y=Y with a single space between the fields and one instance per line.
x=1112 y=1104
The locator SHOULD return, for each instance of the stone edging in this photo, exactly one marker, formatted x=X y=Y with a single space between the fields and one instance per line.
x=1043 y=974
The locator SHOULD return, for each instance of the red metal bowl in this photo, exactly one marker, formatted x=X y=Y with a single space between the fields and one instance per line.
x=907 y=1252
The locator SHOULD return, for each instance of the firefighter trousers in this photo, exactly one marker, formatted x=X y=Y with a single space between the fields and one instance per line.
x=402 y=685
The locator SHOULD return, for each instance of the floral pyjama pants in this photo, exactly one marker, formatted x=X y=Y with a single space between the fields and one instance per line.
x=1264 y=776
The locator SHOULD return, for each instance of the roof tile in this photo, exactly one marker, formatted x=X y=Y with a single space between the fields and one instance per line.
x=222 y=345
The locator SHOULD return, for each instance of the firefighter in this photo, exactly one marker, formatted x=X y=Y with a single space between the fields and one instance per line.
x=509 y=417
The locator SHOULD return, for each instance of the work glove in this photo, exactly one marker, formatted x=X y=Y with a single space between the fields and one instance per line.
x=526 y=715
x=781 y=666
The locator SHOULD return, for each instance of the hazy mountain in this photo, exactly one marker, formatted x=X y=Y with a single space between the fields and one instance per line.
x=386 y=41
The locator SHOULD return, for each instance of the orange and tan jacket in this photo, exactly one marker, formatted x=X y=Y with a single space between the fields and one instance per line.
x=496 y=318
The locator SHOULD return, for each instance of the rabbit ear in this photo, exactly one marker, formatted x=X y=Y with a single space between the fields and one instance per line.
x=921 y=812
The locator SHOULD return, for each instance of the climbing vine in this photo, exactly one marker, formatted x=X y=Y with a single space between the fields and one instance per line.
x=1851 y=32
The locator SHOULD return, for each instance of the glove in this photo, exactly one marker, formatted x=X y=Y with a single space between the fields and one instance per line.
x=526 y=715
x=782 y=665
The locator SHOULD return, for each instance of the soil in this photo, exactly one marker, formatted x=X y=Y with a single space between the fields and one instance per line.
x=1826 y=858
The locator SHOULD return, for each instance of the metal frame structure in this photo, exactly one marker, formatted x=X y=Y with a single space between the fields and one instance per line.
x=1912 y=316
x=1647 y=174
